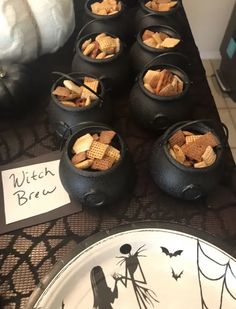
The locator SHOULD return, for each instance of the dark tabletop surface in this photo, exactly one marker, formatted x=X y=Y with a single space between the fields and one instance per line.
x=28 y=254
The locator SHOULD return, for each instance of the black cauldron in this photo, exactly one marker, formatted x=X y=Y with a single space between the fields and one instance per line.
x=63 y=117
x=146 y=17
x=183 y=182
x=115 y=24
x=97 y=188
x=141 y=54
x=114 y=71
x=159 y=112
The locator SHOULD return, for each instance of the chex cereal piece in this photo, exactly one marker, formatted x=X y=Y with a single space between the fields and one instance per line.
x=170 y=42
x=83 y=143
x=209 y=156
x=107 y=44
x=187 y=133
x=194 y=151
x=200 y=164
x=156 y=36
x=168 y=90
x=208 y=139
x=177 y=138
x=84 y=164
x=150 y=42
x=77 y=158
x=91 y=83
x=101 y=35
x=148 y=76
x=179 y=154
x=61 y=91
x=97 y=150
x=147 y=34
x=154 y=80
x=103 y=164
x=192 y=138
x=113 y=153
x=106 y=136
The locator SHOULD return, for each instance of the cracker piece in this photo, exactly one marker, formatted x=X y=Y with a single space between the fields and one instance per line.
x=61 y=91
x=194 y=151
x=97 y=150
x=149 y=75
x=209 y=156
x=180 y=84
x=156 y=36
x=86 y=43
x=83 y=143
x=84 y=164
x=113 y=153
x=89 y=49
x=72 y=86
x=147 y=34
x=163 y=7
x=172 y=153
x=148 y=4
x=179 y=154
x=208 y=139
x=163 y=74
x=172 y=4
x=107 y=136
x=79 y=157
x=91 y=83
x=192 y=138
x=163 y=35
x=149 y=88
x=103 y=164
x=154 y=80
x=170 y=42
x=168 y=90
x=177 y=138
x=150 y=42
x=201 y=164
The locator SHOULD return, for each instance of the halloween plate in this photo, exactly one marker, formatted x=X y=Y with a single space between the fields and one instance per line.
x=141 y=266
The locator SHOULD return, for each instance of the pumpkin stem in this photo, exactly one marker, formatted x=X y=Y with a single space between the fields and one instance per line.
x=2 y=73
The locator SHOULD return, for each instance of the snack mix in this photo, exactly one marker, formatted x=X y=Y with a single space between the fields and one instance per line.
x=106 y=7
x=163 y=83
x=193 y=150
x=77 y=96
x=104 y=46
x=158 y=40
x=95 y=151
x=161 y=5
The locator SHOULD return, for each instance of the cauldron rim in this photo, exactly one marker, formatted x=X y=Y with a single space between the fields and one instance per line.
x=102 y=17
x=93 y=174
x=77 y=108
x=158 y=13
x=167 y=99
x=219 y=151
x=153 y=49
x=98 y=61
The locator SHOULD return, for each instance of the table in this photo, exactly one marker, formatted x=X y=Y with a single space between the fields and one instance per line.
x=28 y=254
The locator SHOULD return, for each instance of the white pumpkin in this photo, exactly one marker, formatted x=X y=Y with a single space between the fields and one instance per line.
x=31 y=28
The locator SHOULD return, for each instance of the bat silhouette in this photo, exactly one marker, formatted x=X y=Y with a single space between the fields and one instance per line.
x=175 y=276
x=168 y=253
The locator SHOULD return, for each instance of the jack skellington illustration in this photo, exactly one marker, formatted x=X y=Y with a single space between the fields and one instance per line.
x=144 y=295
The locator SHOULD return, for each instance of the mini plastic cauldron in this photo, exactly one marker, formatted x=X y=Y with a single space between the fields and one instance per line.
x=114 y=71
x=157 y=112
x=63 y=117
x=97 y=188
x=141 y=54
x=115 y=24
x=183 y=182
x=146 y=17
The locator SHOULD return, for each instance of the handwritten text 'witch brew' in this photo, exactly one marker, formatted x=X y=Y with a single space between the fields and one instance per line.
x=21 y=181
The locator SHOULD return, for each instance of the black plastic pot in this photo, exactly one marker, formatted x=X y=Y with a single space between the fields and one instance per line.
x=115 y=24
x=186 y=182
x=63 y=117
x=97 y=188
x=159 y=112
x=146 y=17
x=141 y=54
x=114 y=71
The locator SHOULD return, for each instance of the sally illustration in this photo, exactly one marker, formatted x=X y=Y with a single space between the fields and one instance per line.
x=103 y=295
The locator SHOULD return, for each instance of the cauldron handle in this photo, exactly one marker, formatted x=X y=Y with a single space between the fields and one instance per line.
x=81 y=31
x=183 y=124
x=181 y=55
x=79 y=82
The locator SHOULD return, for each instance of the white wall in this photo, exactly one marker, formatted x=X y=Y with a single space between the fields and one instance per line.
x=208 y=20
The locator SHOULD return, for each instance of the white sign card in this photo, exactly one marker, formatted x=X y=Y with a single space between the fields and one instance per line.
x=32 y=190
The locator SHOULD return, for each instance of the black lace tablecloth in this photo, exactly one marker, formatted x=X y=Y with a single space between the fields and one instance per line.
x=28 y=254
